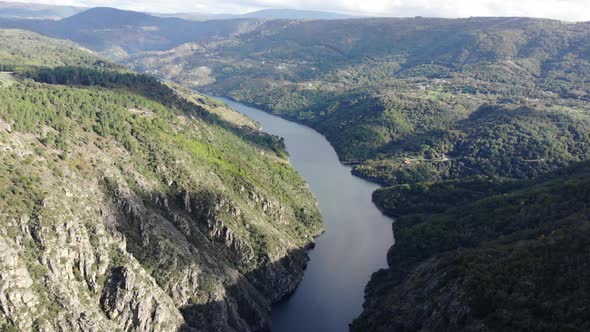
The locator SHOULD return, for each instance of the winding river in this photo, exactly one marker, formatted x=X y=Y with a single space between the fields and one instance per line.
x=354 y=245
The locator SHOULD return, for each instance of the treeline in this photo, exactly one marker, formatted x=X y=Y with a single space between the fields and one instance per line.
x=5 y=67
x=53 y=111
x=142 y=85
x=145 y=85
x=437 y=197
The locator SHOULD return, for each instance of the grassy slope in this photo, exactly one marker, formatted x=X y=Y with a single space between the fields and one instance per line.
x=25 y=48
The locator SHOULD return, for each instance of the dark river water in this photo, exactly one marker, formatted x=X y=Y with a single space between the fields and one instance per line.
x=357 y=234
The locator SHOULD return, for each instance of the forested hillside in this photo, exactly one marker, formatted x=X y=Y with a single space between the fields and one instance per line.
x=130 y=204
x=477 y=255
x=23 y=48
x=411 y=99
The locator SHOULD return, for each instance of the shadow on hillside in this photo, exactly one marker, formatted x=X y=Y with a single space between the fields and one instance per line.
x=247 y=306
x=157 y=228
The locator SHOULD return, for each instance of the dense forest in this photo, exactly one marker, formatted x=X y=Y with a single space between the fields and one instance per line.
x=128 y=203
x=487 y=256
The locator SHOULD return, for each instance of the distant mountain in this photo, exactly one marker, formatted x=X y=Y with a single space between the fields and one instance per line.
x=265 y=14
x=293 y=14
x=117 y=32
x=36 y=11
x=195 y=16
x=19 y=10
x=109 y=18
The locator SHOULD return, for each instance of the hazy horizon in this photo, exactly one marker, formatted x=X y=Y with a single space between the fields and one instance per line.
x=566 y=10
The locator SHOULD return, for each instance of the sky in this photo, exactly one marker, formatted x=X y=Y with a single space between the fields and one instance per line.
x=567 y=10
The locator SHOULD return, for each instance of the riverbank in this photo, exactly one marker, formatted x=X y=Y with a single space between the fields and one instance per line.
x=354 y=245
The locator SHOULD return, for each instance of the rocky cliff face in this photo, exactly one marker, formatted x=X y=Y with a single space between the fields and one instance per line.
x=186 y=224
x=63 y=268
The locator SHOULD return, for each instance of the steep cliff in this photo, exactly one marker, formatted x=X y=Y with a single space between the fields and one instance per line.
x=127 y=204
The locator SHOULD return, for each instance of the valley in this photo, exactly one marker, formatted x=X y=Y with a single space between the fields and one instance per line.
x=353 y=246
x=474 y=134
x=459 y=109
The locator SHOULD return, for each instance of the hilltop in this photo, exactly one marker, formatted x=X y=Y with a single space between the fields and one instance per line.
x=294 y=14
x=22 y=10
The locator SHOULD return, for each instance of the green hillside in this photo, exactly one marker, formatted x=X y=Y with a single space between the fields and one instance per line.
x=411 y=99
x=129 y=204
x=24 y=48
x=478 y=128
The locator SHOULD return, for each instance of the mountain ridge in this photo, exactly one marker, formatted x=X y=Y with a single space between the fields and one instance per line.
x=296 y=14
x=36 y=11
x=115 y=32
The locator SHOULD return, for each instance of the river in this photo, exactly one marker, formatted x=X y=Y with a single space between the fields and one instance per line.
x=354 y=245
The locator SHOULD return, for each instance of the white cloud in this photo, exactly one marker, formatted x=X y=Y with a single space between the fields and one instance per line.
x=570 y=10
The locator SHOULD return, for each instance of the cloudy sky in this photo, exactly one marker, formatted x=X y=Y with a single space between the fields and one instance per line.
x=569 y=10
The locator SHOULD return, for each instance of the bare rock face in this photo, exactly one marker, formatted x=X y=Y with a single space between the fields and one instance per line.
x=128 y=301
x=207 y=264
x=17 y=299
x=51 y=272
